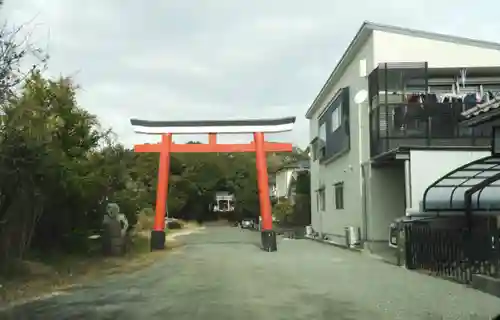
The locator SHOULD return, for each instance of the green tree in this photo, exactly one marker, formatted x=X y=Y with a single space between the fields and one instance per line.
x=302 y=209
x=283 y=211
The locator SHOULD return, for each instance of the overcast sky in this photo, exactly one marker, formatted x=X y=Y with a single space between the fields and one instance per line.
x=218 y=59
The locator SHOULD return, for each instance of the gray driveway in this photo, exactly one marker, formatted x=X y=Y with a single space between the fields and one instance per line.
x=222 y=274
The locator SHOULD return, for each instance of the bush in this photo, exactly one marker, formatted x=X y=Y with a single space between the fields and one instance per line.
x=145 y=220
x=303 y=185
x=302 y=210
x=283 y=210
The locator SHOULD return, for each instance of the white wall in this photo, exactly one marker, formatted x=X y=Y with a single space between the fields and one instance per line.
x=347 y=167
x=426 y=166
x=283 y=179
x=386 y=199
x=391 y=47
x=386 y=185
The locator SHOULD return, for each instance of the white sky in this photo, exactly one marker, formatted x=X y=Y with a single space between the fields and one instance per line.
x=218 y=59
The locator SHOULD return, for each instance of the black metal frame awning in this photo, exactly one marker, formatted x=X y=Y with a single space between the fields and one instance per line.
x=473 y=187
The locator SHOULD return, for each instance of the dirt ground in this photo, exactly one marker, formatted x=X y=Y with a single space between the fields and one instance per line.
x=220 y=273
x=36 y=279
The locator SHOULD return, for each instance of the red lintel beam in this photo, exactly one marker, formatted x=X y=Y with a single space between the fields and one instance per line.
x=194 y=148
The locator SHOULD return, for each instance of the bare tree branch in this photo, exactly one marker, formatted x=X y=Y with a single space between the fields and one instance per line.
x=12 y=52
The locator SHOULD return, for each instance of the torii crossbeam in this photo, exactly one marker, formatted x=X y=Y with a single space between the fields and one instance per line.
x=258 y=127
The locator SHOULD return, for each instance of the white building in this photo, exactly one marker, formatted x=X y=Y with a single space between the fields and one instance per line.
x=273 y=191
x=224 y=201
x=285 y=177
x=374 y=156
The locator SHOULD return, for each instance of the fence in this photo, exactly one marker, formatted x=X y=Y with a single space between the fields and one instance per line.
x=453 y=253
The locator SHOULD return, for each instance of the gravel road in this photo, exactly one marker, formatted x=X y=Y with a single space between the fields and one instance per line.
x=220 y=273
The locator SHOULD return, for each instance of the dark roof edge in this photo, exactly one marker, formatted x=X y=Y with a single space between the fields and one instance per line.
x=212 y=123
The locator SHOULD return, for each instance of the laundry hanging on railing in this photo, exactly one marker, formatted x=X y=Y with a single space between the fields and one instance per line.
x=419 y=112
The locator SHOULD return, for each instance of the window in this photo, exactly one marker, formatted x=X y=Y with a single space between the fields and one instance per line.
x=321 y=151
x=362 y=68
x=322 y=132
x=333 y=127
x=336 y=118
x=339 y=195
x=321 y=199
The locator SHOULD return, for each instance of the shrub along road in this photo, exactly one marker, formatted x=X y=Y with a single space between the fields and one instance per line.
x=220 y=273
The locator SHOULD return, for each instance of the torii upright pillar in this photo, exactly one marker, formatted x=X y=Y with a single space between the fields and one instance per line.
x=259 y=146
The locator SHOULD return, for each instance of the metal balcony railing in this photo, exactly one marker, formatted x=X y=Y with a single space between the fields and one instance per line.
x=394 y=125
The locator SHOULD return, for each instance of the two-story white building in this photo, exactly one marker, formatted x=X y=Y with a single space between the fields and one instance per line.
x=385 y=125
x=286 y=175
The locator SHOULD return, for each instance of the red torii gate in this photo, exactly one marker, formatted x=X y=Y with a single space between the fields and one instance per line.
x=212 y=128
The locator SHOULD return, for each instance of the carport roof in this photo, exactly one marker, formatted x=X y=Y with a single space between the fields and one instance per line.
x=449 y=192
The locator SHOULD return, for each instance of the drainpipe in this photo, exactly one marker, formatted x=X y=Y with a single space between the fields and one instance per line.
x=408 y=199
x=321 y=234
x=363 y=165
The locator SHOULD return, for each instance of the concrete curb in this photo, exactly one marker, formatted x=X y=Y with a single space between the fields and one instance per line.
x=486 y=284
x=335 y=244
x=173 y=235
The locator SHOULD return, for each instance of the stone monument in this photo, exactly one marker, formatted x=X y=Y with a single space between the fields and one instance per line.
x=115 y=226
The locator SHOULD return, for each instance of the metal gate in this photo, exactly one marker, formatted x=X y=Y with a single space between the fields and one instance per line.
x=454 y=253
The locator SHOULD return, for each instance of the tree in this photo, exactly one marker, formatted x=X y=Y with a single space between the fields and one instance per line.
x=302 y=209
x=45 y=142
x=12 y=53
x=283 y=211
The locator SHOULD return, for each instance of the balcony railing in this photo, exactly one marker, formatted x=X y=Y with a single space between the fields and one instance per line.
x=396 y=125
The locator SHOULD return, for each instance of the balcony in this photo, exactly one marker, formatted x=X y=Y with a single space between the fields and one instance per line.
x=414 y=106
x=398 y=125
